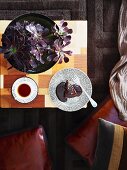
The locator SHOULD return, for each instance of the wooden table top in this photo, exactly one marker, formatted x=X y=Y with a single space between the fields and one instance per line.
x=77 y=60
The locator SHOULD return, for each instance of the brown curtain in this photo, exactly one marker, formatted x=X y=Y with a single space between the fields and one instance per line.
x=118 y=78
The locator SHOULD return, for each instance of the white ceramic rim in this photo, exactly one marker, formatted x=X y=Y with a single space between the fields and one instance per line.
x=34 y=89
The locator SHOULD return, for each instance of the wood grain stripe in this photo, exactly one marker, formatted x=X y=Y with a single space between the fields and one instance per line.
x=7 y=101
x=117 y=148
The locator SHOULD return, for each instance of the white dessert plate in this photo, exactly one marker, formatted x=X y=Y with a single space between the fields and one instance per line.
x=75 y=103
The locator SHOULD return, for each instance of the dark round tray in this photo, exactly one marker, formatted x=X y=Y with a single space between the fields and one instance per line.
x=44 y=21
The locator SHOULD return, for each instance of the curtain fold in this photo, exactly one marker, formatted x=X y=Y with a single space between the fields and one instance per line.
x=118 y=77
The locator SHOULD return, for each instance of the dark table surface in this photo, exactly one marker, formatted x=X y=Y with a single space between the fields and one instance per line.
x=102 y=16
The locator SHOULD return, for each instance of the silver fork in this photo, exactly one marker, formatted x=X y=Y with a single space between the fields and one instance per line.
x=77 y=80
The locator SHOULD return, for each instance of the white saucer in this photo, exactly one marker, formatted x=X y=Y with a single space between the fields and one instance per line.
x=34 y=90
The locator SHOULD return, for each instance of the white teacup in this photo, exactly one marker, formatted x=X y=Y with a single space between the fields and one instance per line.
x=24 y=90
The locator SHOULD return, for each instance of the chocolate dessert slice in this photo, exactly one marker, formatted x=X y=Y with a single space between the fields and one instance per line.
x=66 y=90
x=72 y=90
x=60 y=92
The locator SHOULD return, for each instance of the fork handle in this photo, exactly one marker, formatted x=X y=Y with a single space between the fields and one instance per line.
x=93 y=103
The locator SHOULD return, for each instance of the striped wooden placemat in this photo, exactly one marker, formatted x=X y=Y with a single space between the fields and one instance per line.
x=77 y=60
